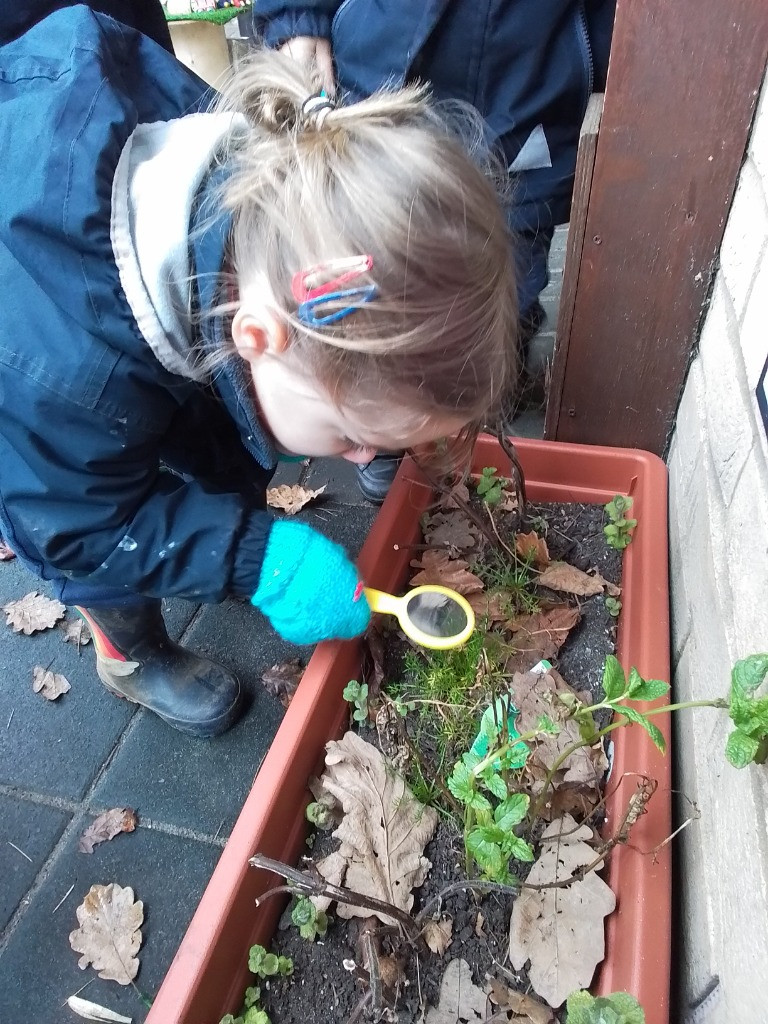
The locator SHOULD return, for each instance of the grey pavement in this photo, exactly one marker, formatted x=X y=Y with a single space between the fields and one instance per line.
x=63 y=762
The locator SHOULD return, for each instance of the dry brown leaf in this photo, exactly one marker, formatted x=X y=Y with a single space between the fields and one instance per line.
x=373 y=656
x=438 y=567
x=460 y=491
x=438 y=935
x=509 y=501
x=32 y=613
x=106 y=826
x=540 y=635
x=109 y=935
x=5 y=552
x=610 y=588
x=525 y=1007
x=561 y=931
x=569 y=579
x=460 y=999
x=492 y=606
x=531 y=545
x=281 y=680
x=291 y=498
x=535 y=694
x=451 y=530
x=49 y=684
x=480 y=925
x=75 y=632
x=384 y=829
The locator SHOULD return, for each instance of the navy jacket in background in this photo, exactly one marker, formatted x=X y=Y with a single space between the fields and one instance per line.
x=528 y=66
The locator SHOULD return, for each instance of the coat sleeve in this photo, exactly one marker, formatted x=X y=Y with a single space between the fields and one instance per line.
x=83 y=494
x=276 y=21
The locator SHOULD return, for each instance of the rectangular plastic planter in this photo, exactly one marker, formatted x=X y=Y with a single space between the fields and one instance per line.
x=208 y=975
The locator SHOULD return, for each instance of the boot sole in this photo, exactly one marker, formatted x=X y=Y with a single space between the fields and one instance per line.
x=202 y=730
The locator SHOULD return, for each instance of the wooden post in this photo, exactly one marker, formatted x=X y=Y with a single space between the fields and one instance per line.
x=681 y=91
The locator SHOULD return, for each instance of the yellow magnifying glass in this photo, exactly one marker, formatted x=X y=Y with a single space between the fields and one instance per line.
x=432 y=616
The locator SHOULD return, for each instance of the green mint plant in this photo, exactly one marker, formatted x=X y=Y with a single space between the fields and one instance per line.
x=748 y=742
x=613 y=606
x=310 y=921
x=320 y=814
x=357 y=694
x=267 y=965
x=617 y=1008
x=253 y=1015
x=618 y=532
x=490 y=487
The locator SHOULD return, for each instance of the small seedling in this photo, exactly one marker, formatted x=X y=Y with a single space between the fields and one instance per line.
x=310 y=921
x=618 y=532
x=613 y=606
x=403 y=707
x=267 y=965
x=490 y=487
x=357 y=694
x=617 y=1008
x=320 y=814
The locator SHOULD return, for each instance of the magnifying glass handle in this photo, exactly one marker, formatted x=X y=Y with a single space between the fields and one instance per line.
x=381 y=602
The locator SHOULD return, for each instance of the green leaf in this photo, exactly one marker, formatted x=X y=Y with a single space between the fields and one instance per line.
x=494 y=784
x=360 y=715
x=516 y=847
x=480 y=846
x=256 y=1016
x=613 y=606
x=252 y=996
x=587 y=727
x=653 y=731
x=471 y=759
x=751 y=716
x=229 y=1019
x=512 y=811
x=256 y=958
x=461 y=782
x=617 y=1008
x=614 y=683
x=741 y=749
x=351 y=691
x=484 y=834
x=480 y=805
x=645 y=689
x=749 y=673
x=304 y=912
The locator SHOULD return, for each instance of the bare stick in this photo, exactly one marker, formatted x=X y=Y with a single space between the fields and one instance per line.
x=300 y=881
x=476 y=883
x=374 y=971
x=360 y=1008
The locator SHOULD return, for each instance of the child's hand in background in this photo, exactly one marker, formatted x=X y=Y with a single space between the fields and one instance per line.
x=308 y=588
x=313 y=50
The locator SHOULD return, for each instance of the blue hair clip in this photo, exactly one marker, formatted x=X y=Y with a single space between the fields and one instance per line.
x=306 y=310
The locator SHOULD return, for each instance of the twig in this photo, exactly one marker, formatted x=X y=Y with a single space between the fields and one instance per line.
x=374 y=971
x=476 y=883
x=304 y=883
x=360 y=1008
x=10 y=717
x=19 y=851
x=518 y=476
x=69 y=890
x=442 y=488
x=82 y=987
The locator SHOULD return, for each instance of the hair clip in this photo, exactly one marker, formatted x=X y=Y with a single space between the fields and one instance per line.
x=306 y=284
x=307 y=309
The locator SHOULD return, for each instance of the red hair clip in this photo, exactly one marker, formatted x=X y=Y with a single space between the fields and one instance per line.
x=328 y=277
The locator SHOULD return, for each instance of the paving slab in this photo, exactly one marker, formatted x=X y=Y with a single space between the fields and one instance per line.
x=52 y=747
x=38 y=969
x=28 y=834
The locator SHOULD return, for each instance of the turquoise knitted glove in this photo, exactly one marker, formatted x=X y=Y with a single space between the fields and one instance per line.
x=308 y=588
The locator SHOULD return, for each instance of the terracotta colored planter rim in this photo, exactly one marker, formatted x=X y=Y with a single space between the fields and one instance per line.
x=209 y=972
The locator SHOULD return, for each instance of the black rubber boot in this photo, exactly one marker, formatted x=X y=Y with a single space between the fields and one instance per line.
x=375 y=478
x=136 y=659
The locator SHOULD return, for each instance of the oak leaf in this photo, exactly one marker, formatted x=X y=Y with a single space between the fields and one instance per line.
x=32 y=613
x=451 y=530
x=384 y=829
x=50 y=684
x=569 y=579
x=460 y=999
x=106 y=826
x=439 y=568
x=540 y=635
x=536 y=695
x=561 y=930
x=291 y=498
x=491 y=606
x=531 y=545
x=282 y=680
x=75 y=632
x=525 y=1007
x=438 y=935
x=109 y=935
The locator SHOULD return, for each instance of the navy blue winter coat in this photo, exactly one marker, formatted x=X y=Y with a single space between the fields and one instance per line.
x=105 y=179
x=528 y=66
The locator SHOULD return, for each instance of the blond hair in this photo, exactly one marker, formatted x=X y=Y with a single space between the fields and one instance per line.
x=312 y=183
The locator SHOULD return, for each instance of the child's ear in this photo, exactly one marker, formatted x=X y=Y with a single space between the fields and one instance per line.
x=258 y=333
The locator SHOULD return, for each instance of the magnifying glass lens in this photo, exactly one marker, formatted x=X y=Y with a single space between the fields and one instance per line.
x=436 y=614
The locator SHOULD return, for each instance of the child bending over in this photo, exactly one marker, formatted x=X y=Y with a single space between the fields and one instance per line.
x=189 y=293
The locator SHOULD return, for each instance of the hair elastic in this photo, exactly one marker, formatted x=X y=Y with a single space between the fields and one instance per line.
x=318 y=104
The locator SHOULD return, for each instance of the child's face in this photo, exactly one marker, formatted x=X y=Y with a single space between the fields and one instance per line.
x=304 y=420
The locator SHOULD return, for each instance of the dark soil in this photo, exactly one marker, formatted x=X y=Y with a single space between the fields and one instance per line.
x=322 y=991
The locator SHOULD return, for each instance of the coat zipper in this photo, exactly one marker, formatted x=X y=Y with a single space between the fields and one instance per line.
x=584 y=33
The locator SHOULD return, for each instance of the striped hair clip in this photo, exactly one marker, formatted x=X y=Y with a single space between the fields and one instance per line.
x=323 y=284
